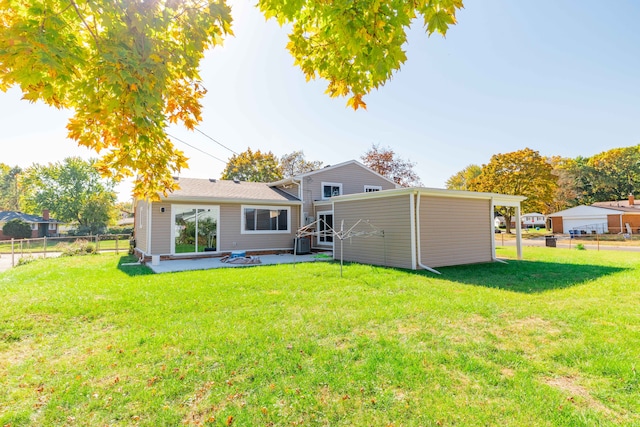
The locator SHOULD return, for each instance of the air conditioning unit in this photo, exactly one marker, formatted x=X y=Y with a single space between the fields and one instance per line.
x=308 y=220
x=302 y=245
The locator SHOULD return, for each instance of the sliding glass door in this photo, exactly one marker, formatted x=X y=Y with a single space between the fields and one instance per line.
x=195 y=228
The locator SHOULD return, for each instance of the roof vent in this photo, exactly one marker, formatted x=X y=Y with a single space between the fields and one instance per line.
x=176 y=178
x=212 y=180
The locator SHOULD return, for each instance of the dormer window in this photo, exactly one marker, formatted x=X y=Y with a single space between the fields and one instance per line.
x=331 y=189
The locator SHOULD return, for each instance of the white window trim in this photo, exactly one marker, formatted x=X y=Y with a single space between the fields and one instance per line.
x=269 y=208
x=372 y=188
x=333 y=184
x=34 y=226
x=324 y=242
x=52 y=226
x=140 y=216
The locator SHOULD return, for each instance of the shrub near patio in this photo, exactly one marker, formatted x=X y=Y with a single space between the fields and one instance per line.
x=548 y=341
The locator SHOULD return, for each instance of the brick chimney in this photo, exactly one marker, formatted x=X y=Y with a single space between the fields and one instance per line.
x=632 y=200
x=45 y=214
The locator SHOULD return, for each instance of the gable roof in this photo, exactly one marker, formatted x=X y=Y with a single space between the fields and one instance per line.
x=298 y=177
x=197 y=189
x=585 y=211
x=9 y=215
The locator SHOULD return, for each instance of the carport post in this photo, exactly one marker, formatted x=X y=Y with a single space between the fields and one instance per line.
x=518 y=233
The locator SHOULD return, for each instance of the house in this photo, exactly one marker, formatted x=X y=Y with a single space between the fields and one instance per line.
x=222 y=216
x=41 y=226
x=602 y=217
x=533 y=220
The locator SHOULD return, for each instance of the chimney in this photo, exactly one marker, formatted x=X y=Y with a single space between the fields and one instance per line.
x=45 y=214
x=632 y=200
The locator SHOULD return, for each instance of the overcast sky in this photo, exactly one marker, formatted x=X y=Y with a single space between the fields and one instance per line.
x=560 y=77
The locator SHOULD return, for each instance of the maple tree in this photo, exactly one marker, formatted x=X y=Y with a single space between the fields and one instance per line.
x=128 y=69
x=522 y=173
x=253 y=166
x=386 y=163
x=463 y=179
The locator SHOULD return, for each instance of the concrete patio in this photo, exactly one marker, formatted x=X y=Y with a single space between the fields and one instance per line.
x=175 y=265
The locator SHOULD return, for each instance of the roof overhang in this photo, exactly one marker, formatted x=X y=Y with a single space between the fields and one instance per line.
x=200 y=199
x=498 y=199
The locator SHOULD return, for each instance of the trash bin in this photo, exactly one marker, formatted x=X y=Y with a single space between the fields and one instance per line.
x=550 y=241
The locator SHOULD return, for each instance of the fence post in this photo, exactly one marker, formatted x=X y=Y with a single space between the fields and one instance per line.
x=117 y=237
x=13 y=252
x=97 y=244
x=45 y=247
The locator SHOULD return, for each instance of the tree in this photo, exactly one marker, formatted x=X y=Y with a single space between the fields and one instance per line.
x=9 y=193
x=522 y=173
x=73 y=191
x=293 y=164
x=565 y=194
x=386 y=163
x=17 y=228
x=463 y=179
x=253 y=166
x=127 y=69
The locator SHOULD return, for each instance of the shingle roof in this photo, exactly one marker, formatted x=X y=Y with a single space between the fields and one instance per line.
x=9 y=215
x=195 y=188
x=620 y=205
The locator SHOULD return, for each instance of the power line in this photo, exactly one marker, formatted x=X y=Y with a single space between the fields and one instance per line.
x=222 y=145
x=196 y=148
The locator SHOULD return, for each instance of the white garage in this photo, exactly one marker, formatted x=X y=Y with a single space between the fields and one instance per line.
x=582 y=218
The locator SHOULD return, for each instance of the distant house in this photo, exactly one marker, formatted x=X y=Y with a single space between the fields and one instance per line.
x=533 y=220
x=420 y=226
x=41 y=226
x=615 y=217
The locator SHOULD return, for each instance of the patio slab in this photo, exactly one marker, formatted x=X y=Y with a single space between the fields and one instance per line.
x=175 y=265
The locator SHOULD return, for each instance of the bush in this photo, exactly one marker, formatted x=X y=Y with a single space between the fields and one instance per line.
x=79 y=247
x=25 y=260
x=580 y=247
x=17 y=228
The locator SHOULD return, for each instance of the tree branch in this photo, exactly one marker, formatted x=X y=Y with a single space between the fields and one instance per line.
x=95 y=38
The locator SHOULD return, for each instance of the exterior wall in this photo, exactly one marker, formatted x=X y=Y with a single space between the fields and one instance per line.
x=455 y=231
x=141 y=230
x=634 y=222
x=230 y=237
x=160 y=228
x=391 y=214
x=556 y=224
x=352 y=177
x=292 y=190
x=571 y=223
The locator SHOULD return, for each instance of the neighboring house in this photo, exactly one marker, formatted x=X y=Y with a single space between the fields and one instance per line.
x=532 y=220
x=602 y=217
x=41 y=226
x=220 y=216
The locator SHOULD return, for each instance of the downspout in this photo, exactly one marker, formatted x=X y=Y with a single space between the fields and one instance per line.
x=621 y=229
x=149 y=208
x=493 y=234
x=299 y=184
x=418 y=239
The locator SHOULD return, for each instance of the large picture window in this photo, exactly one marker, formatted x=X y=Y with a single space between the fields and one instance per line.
x=195 y=228
x=265 y=219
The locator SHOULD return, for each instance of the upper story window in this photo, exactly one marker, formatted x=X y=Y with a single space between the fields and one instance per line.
x=331 y=189
x=265 y=219
x=372 y=188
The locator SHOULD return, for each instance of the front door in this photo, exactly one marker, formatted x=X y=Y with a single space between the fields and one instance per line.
x=325 y=228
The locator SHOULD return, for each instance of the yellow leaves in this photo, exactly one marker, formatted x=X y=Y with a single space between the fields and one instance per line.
x=356 y=102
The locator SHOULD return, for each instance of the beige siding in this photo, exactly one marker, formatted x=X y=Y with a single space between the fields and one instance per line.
x=390 y=214
x=160 y=228
x=455 y=231
x=141 y=230
x=352 y=177
x=232 y=239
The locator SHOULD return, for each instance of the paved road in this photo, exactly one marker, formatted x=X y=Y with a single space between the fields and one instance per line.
x=567 y=243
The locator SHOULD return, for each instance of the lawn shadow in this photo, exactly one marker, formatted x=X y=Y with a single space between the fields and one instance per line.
x=526 y=276
x=129 y=265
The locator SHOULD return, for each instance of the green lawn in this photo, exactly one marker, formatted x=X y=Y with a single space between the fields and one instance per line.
x=553 y=340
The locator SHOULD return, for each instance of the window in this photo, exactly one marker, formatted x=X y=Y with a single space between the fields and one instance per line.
x=52 y=226
x=195 y=228
x=140 y=216
x=34 y=226
x=331 y=189
x=372 y=188
x=265 y=219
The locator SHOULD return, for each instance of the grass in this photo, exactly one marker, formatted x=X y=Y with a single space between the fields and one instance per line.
x=56 y=244
x=552 y=340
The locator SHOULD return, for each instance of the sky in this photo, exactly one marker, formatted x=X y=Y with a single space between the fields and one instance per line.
x=560 y=77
